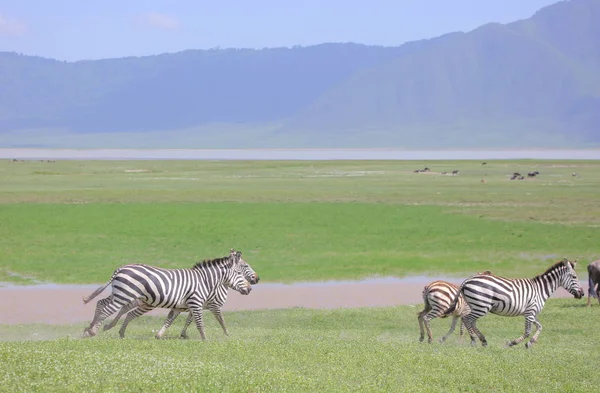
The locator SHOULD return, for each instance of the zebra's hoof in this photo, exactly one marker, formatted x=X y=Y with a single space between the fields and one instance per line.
x=421 y=339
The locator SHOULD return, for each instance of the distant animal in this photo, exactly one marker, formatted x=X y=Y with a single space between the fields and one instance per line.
x=575 y=174
x=455 y=172
x=533 y=174
x=426 y=169
x=483 y=181
x=594 y=281
x=488 y=293
x=484 y=163
x=443 y=173
x=437 y=296
x=521 y=177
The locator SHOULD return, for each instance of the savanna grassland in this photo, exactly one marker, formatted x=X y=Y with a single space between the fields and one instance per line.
x=76 y=221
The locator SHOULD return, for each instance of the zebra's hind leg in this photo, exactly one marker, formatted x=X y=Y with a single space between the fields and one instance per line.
x=124 y=310
x=452 y=327
x=420 y=319
x=173 y=314
x=104 y=308
x=139 y=311
x=528 y=321
x=470 y=324
x=216 y=310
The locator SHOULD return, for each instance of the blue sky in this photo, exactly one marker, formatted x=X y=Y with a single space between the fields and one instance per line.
x=82 y=29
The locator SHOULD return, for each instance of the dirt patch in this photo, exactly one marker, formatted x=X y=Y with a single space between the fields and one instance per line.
x=62 y=304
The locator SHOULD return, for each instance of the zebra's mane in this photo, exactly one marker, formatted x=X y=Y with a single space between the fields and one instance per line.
x=209 y=262
x=555 y=266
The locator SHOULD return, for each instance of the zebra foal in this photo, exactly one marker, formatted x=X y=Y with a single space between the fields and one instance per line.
x=488 y=293
x=437 y=297
x=214 y=303
x=185 y=288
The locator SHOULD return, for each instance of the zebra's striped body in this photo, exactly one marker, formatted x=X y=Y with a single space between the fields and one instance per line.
x=153 y=287
x=514 y=297
x=437 y=297
x=214 y=302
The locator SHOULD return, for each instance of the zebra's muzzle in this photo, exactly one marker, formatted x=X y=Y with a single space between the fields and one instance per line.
x=255 y=279
x=579 y=294
x=245 y=290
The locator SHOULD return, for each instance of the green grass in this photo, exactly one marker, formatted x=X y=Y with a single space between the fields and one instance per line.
x=283 y=241
x=300 y=350
x=76 y=221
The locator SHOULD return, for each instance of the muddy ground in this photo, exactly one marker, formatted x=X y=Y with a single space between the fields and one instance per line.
x=55 y=304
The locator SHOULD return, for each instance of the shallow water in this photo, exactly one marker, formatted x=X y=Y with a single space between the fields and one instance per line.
x=300 y=284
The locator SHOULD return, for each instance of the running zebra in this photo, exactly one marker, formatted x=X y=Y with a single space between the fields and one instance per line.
x=186 y=288
x=514 y=297
x=438 y=296
x=214 y=302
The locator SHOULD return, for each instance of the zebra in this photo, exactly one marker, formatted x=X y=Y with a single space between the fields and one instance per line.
x=514 y=297
x=214 y=302
x=184 y=288
x=437 y=297
x=593 y=281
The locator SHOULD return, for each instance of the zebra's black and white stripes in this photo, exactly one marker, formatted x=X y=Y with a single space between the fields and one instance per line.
x=488 y=293
x=186 y=288
x=214 y=302
x=437 y=297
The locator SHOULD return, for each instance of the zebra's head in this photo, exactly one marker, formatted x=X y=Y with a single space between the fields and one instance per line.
x=247 y=270
x=234 y=275
x=568 y=279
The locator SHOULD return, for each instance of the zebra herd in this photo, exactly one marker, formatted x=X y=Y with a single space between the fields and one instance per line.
x=138 y=289
x=486 y=293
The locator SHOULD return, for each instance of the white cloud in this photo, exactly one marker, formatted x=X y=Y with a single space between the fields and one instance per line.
x=161 y=21
x=11 y=26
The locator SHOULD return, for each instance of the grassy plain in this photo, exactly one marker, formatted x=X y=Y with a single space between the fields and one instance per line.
x=299 y=350
x=76 y=221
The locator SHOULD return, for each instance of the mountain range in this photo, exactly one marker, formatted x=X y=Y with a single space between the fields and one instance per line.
x=530 y=83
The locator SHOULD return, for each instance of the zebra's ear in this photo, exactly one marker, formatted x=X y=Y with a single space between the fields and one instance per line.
x=565 y=261
x=238 y=254
x=573 y=263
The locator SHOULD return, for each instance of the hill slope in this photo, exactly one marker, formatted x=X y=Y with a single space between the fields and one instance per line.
x=534 y=82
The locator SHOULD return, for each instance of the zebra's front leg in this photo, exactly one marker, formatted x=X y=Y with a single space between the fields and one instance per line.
x=196 y=312
x=173 y=314
x=141 y=310
x=216 y=310
x=528 y=320
x=536 y=334
x=452 y=327
x=187 y=323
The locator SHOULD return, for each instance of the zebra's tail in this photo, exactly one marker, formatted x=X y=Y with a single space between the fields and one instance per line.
x=592 y=288
x=87 y=299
